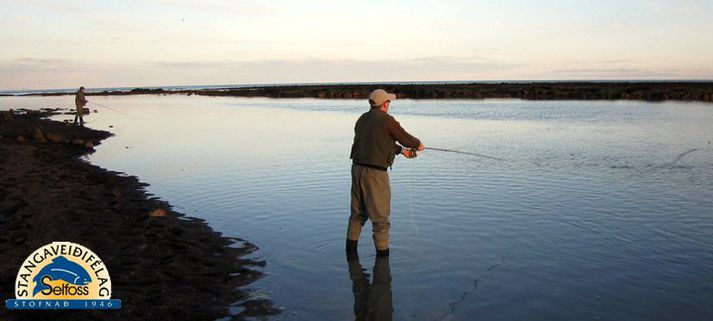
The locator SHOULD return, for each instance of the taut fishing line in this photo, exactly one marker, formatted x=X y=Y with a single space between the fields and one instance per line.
x=112 y=109
x=464 y=153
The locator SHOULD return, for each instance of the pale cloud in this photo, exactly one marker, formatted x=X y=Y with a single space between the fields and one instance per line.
x=430 y=63
x=619 y=73
x=26 y=68
x=604 y=62
x=687 y=7
x=71 y=72
x=72 y=8
x=611 y=71
x=243 y=7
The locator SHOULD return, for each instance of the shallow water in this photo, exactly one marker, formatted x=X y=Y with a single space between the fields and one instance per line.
x=600 y=210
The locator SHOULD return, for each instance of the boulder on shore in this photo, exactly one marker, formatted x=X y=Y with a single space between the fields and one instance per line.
x=37 y=135
x=159 y=212
x=55 y=137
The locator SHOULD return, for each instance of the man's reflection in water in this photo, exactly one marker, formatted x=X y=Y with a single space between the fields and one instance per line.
x=371 y=301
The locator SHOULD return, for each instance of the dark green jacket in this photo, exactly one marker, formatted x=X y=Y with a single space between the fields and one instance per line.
x=375 y=137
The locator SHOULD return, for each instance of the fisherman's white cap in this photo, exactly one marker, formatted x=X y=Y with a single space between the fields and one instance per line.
x=380 y=96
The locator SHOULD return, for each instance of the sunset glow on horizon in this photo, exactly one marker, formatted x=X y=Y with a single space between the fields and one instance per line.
x=66 y=44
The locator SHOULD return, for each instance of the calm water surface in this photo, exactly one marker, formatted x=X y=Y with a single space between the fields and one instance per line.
x=600 y=210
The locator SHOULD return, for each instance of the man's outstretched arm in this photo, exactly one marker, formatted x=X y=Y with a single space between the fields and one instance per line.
x=401 y=135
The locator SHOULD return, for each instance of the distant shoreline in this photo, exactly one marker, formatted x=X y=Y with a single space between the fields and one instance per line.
x=545 y=90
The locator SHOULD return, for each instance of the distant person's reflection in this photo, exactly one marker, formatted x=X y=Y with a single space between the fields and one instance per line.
x=371 y=301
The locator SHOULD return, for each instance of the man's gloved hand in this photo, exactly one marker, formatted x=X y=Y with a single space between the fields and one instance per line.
x=409 y=153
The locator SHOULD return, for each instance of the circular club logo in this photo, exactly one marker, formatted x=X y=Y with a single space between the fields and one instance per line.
x=63 y=275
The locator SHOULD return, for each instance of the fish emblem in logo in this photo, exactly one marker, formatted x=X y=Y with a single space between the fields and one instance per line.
x=61 y=269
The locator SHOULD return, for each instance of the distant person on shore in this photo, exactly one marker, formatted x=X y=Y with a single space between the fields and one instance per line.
x=80 y=102
x=373 y=152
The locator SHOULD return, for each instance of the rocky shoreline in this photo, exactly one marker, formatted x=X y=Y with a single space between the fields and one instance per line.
x=163 y=265
x=621 y=90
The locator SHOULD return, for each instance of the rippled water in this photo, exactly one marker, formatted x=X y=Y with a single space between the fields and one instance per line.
x=600 y=210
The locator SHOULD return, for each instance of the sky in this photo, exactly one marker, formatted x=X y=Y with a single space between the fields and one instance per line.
x=65 y=44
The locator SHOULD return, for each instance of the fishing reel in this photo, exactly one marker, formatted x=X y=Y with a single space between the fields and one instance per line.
x=413 y=152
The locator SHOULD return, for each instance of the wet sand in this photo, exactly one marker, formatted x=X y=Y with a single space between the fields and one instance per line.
x=163 y=265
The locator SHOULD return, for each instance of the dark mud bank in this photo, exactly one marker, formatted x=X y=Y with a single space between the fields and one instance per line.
x=163 y=265
x=569 y=90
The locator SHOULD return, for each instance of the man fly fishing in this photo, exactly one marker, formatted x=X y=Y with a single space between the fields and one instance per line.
x=80 y=102
x=373 y=152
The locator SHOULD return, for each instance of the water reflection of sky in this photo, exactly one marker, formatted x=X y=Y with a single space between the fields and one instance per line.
x=602 y=209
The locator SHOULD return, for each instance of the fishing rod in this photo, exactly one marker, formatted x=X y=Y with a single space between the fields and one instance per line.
x=459 y=152
x=463 y=153
x=112 y=109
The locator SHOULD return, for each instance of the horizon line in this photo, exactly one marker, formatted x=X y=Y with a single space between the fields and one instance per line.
x=620 y=80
